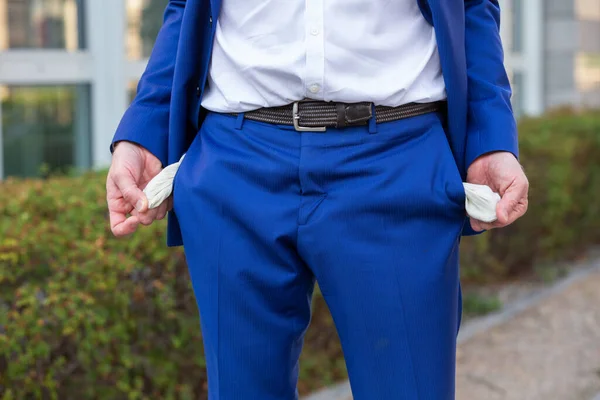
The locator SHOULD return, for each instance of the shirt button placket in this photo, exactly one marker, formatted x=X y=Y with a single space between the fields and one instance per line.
x=315 y=54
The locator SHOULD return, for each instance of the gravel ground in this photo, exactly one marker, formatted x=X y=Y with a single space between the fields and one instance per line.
x=550 y=351
x=544 y=346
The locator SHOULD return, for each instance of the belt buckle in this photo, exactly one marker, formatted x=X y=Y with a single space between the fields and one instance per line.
x=296 y=118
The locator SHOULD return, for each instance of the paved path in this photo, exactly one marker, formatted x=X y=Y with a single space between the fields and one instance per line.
x=550 y=351
x=543 y=348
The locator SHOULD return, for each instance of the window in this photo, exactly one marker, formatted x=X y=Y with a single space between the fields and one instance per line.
x=517 y=26
x=45 y=24
x=44 y=127
x=144 y=20
x=517 y=97
x=587 y=71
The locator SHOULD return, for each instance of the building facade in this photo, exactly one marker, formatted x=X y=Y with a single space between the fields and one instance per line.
x=69 y=68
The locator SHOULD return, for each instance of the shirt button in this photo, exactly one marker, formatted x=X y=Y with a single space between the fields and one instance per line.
x=315 y=88
x=314 y=31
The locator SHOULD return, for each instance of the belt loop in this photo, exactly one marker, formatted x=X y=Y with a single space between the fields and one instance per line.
x=239 y=123
x=373 y=120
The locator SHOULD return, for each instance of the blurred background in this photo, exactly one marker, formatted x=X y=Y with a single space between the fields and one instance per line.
x=84 y=316
x=68 y=70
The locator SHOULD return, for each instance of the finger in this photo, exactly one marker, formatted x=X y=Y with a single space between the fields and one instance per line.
x=170 y=203
x=131 y=192
x=479 y=226
x=116 y=218
x=118 y=208
x=146 y=218
x=119 y=205
x=476 y=225
x=125 y=227
x=513 y=203
x=117 y=211
x=162 y=210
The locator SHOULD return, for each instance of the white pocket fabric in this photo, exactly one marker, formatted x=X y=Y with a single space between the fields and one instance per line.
x=160 y=187
x=481 y=202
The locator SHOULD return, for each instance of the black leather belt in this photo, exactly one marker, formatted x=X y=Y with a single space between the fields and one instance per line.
x=317 y=116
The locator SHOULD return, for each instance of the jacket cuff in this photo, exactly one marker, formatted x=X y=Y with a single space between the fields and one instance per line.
x=491 y=128
x=147 y=127
x=468 y=230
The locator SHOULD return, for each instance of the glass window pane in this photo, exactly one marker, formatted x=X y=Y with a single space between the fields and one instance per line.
x=517 y=26
x=45 y=127
x=517 y=97
x=47 y=24
x=144 y=19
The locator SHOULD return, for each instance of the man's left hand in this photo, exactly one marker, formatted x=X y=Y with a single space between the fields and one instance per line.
x=502 y=172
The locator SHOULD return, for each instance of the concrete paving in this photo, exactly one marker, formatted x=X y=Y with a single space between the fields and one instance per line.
x=550 y=351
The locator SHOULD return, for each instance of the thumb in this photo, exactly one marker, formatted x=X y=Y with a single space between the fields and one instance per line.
x=507 y=206
x=502 y=212
x=131 y=192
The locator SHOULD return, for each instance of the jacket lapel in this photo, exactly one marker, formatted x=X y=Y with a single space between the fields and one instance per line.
x=425 y=10
x=215 y=8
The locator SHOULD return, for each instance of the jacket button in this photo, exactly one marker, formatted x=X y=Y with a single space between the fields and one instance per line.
x=210 y=19
x=198 y=90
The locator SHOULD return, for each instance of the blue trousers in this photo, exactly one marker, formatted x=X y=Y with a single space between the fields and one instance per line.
x=374 y=214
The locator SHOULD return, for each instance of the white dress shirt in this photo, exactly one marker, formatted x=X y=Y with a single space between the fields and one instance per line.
x=270 y=53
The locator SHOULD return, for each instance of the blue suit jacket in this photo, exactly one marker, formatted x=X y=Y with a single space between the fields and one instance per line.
x=166 y=114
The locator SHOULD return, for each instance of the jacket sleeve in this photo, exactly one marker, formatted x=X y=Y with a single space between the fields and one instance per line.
x=491 y=124
x=146 y=121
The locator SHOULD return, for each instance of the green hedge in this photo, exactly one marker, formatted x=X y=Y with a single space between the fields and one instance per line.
x=561 y=156
x=85 y=316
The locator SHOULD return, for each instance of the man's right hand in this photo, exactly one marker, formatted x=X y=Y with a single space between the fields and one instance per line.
x=131 y=169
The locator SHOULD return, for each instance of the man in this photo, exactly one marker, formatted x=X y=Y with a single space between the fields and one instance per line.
x=359 y=188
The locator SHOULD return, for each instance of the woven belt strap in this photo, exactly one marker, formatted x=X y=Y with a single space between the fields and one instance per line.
x=320 y=114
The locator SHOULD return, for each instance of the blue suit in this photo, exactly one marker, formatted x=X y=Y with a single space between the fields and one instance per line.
x=166 y=114
x=374 y=214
